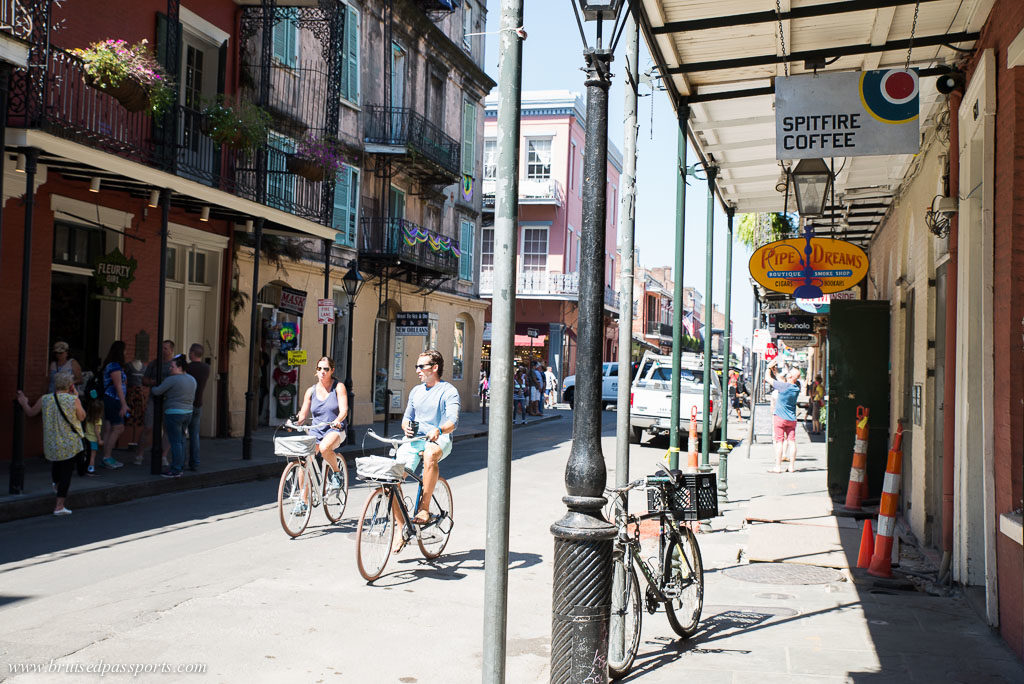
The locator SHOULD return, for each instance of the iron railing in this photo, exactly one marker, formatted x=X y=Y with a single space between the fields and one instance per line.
x=530 y=192
x=80 y=113
x=297 y=96
x=389 y=240
x=15 y=19
x=403 y=127
x=550 y=283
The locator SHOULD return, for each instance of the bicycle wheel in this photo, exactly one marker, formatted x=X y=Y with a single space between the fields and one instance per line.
x=335 y=500
x=294 y=499
x=683 y=582
x=433 y=537
x=376 y=529
x=631 y=619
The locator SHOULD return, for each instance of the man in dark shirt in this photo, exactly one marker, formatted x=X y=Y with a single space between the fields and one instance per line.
x=199 y=370
x=149 y=380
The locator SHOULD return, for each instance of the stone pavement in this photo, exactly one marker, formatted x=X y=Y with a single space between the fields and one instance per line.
x=220 y=464
x=781 y=603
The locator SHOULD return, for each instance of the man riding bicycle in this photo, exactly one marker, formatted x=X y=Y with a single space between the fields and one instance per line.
x=433 y=413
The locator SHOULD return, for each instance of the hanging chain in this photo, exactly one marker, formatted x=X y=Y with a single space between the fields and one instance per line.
x=913 y=30
x=782 y=36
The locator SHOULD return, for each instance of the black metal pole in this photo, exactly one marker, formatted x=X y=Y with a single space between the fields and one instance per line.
x=5 y=83
x=17 y=478
x=157 y=450
x=327 y=291
x=254 y=321
x=581 y=600
x=350 y=434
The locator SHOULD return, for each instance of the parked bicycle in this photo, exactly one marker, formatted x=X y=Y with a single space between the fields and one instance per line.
x=377 y=523
x=307 y=480
x=675 y=576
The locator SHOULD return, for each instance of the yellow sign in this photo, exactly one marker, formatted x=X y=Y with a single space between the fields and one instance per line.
x=297 y=357
x=834 y=265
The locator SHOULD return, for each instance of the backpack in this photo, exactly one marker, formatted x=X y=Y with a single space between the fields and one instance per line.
x=93 y=383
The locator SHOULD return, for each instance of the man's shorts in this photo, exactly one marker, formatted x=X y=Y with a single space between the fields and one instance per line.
x=783 y=429
x=148 y=415
x=409 y=453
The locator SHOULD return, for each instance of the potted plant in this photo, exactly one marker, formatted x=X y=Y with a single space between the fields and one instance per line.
x=240 y=126
x=316 y=158
x=129 y=73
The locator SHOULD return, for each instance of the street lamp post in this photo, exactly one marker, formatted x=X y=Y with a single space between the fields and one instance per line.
x=581 y=598
x=353 y=282
x=724 y=448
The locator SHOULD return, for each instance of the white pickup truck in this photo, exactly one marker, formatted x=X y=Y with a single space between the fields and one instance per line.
x=609 y=386
x=651 y=397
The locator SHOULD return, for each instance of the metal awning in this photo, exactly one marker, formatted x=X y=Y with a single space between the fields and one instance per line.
x=722 y=57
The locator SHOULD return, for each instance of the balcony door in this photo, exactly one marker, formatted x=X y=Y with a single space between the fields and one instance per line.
x=199 y=69
x=398 y=56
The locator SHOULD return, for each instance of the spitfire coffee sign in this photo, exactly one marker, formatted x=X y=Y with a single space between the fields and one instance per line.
x=832 y=266
x=847 y=114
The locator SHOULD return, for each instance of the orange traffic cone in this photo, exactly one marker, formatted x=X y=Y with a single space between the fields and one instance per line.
x=867 y=546
x=692 y=459
x=858 y=469
x=881 y=561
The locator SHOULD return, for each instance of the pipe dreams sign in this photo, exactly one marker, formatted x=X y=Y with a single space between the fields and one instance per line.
x=848 y=114
x=834 y=265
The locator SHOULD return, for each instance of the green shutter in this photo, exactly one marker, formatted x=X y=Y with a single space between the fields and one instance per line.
x=280 y=183
x=346 y=198
x=353 y=207
x=466 y=247
x=468 y=138
x=350 y=84
x=285 y=40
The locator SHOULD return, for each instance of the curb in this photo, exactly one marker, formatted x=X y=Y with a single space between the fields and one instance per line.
x=42 y=504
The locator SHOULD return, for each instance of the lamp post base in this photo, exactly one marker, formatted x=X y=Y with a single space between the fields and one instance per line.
x=723 y=471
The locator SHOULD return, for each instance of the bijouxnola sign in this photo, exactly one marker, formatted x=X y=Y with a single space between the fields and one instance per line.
x=808 y=267
x=847 y=114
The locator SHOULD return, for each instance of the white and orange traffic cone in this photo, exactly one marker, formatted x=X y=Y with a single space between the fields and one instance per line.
x=881 y=561
x=858 y=469
x=692 y=459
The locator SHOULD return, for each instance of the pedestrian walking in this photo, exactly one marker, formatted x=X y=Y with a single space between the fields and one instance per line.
x=784 y=415
x=550 y=387
x=536 y=388
x=200 y=370
x=519 y=395
x=62 y=432
x=62 y=363
x=149 y=380
x=115 y=406
x=179 y=391
x=817 y=401
x=92 y=428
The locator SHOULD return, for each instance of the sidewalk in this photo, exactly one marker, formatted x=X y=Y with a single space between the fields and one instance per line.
x=784 y=601
x=220 y=464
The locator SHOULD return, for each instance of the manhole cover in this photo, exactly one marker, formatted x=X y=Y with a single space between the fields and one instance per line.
x=784 y=573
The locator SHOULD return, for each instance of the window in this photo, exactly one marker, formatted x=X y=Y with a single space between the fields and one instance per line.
x=76 y=245
x=196 y=267
x=280 y=183
x=435 y=98
x=346 y=205
x=350 y=57
x=467 y=26
x=535 y=248
x=468 y=138
x=572 y=165
x=171 y=265
x=487 y=249
x=538 y=159
x=286 y=39
x=432 y=220
x=490 y=159
x=466 y=247
x=459 y=350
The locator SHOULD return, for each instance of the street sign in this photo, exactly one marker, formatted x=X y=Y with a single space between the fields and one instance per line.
x=325 y=311
x=532 y=332
x=297 y=357
x=770 y=352
x=762 y=338
x=835 y=265
x=412 y=323
x=292 y=301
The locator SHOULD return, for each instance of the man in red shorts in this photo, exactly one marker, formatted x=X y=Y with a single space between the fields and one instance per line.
x=784 y=418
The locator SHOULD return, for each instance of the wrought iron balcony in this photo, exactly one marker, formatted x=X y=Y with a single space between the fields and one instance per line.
x=400 y=243
x=547 y=284
x=659 y=329
x=297 y=96
x=15 y=18
x=431 y=155
x=530 y=192
x=64 y=106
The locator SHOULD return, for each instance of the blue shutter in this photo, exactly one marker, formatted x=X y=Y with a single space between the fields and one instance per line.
x=466 y=247
x=286 y=39
x=353 y=206
x=468 y=138
x=351 y=61
x=346 y=205
x=280 y=183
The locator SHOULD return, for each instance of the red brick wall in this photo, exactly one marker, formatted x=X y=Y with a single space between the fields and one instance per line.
x=1005 y=22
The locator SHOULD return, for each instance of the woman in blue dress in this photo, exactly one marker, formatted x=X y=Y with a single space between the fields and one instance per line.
x=327 y=402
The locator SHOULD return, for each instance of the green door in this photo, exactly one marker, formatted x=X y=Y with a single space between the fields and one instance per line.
x=858 y=369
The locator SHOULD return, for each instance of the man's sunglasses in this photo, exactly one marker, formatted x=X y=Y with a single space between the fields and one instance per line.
x=424 y=366
x=325 y=369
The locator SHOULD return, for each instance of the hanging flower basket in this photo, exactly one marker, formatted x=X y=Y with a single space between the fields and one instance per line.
x=130 y=93
x=306 y=168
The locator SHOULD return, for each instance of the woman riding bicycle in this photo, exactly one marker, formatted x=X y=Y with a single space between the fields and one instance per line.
x=327 y=401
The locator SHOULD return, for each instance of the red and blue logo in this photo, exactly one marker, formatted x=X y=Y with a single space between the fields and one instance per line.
x=891 y=96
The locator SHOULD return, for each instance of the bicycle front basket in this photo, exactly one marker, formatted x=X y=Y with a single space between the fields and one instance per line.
x=696 y=498
x=294 y=446
x=379 y=468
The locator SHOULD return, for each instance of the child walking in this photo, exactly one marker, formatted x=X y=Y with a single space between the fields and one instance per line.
x=92 y=428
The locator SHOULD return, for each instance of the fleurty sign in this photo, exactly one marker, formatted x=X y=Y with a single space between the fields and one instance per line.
x=836 y=265
x=848 y=114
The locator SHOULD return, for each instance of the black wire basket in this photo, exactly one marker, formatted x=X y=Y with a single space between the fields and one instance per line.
x=695 y=499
